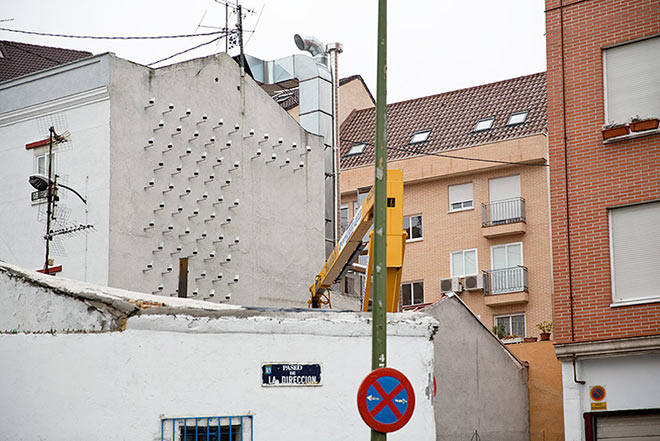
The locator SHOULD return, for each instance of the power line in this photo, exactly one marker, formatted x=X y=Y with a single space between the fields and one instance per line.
x=190 y=49
x=443 y=155
x=97 y=37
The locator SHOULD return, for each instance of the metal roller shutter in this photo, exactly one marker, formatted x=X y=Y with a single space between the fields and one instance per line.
x=628 y=427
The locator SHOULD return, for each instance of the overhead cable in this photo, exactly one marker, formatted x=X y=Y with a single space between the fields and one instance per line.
x=98 y=37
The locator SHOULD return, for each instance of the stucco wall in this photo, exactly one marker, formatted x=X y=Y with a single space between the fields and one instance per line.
x=480 y=385
x=279 y=219
x=630 y=382
x=71 y=98
x=546 y=418
x=193 y=358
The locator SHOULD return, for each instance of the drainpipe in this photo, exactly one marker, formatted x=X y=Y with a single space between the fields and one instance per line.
x=315 y=86
x=336 y=49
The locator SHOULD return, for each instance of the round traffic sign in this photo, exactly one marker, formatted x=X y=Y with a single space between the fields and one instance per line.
x=597 y=393
x=386 y=400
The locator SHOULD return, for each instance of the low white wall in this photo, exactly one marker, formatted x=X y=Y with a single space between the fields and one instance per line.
x=631 y=382
x=117 y=385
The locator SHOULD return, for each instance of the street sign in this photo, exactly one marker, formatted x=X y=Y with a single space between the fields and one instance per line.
x=386 y=400
x=597 y=395
x=290 y=374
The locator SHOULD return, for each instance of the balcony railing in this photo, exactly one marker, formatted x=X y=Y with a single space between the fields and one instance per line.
x=506 y=211
x=506 y=280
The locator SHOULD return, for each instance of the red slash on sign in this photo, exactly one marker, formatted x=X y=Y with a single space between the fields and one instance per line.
x=386 y=400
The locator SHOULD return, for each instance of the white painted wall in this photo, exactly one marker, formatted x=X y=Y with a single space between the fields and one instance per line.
x=631 y=382
x=82 y=164
x=116 y=386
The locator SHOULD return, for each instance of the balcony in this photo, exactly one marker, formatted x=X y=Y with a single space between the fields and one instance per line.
x=503 y=218
x=507 y=286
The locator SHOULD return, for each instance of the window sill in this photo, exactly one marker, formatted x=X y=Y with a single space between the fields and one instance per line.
x=635 y=302
x=632 y=135
x=460 y=209
x=417 y=239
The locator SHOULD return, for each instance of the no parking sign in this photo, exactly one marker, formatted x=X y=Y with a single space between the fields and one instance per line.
x=386 y=400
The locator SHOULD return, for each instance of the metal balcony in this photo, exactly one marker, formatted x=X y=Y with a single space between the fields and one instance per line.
x=506 y=211
x=506 y=280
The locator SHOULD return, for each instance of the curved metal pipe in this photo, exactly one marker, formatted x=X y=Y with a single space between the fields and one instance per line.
x=310 y=44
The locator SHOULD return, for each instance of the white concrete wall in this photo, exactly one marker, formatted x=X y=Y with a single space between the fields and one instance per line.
x=631 y=382
x=279 y=220
x=189 y=358
x=75 y=100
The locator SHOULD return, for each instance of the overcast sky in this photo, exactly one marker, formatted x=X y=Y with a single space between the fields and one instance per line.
x=433 y=45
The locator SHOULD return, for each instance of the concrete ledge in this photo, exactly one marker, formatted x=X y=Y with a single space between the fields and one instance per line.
x=605 y=348
x=504 y=230
x=506 y=299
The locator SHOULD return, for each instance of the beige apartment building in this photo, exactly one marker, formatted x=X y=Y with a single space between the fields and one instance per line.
x=476 y=207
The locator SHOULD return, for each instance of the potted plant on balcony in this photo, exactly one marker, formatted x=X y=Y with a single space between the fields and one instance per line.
x=499 y=331
x=640 y=124
x=529 y=339
x=613 y=129
x=546 y=329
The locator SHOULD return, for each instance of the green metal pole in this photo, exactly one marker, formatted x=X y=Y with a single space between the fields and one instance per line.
x=379 y=337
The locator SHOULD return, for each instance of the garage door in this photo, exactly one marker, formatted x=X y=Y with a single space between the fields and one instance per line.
x=628 y=427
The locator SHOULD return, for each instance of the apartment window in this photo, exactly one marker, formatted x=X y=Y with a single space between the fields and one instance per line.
x=484 y=124
x=41 y=163
x=413 y=226
x=464 y=263
x=460 y=197
x=235 y=428
x=412 y=293
x=632 y=80
x=517 y=118
x=343 y=218
x=512 y=324
x=506 y=256
x=420 y=137
x=635 y=252
x=356 y=149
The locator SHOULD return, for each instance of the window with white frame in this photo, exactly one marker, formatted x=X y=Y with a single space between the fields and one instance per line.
x=484 y=124
x=632 y=80
x=412 y=293
x=413 y=226
x=420 y=137
x=512 y=325
x=464 y=263
x=517 y=118
x=356 y=149
x=460 y=197
x=635 y=252
x=343 y=218
x=234 y=428
x=41 y=163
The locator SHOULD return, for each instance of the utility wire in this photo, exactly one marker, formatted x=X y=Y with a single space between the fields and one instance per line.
x=97 y=37
x=442 y=155
x=190 y=49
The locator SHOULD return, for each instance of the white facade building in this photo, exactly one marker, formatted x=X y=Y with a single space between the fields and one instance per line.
x=186 y=161
x=87 y=362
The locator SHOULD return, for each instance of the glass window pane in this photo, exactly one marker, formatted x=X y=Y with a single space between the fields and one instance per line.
x=514 y=255
x=457 y=264
x=416 y=227
x=405 y=294
x=505 y=323
x=41 y=165
x=470 y=259
x=456 y=206
x=406 y=226
x=484 y=124
x=343 y=219
x=499 y=258
x=518 y=325
x=467 y=204
x=420 y=136
x=517 y=118
x=418 y=288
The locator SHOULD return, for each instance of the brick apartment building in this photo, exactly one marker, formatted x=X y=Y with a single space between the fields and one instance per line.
x=479 y=227
x=604 y=72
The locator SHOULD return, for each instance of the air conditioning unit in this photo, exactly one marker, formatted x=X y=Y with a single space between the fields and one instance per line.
x=474 y=283
x=450 y=285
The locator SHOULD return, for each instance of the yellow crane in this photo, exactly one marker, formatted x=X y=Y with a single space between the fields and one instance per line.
x=350 y=246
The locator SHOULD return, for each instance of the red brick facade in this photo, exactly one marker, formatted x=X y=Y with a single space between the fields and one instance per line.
x=600 y=175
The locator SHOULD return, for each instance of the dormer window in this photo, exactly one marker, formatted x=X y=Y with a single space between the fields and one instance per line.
x=484 y=124
x=517 y=118
x=356 y=149
x=420 y=137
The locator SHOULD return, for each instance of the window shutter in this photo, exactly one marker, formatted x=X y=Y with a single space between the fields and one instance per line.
x=460 y=193
x=635 y=251
x=632 y=80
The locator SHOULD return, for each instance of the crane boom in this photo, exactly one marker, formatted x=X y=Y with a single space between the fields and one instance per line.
x=350 y=245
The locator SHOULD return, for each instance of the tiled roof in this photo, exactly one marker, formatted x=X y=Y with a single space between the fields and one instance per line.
x=288 y=98
x=18 y=59
x=451 y=117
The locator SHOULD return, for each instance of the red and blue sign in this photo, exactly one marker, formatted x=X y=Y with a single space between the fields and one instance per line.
x=386 y=400
x=597 y=393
